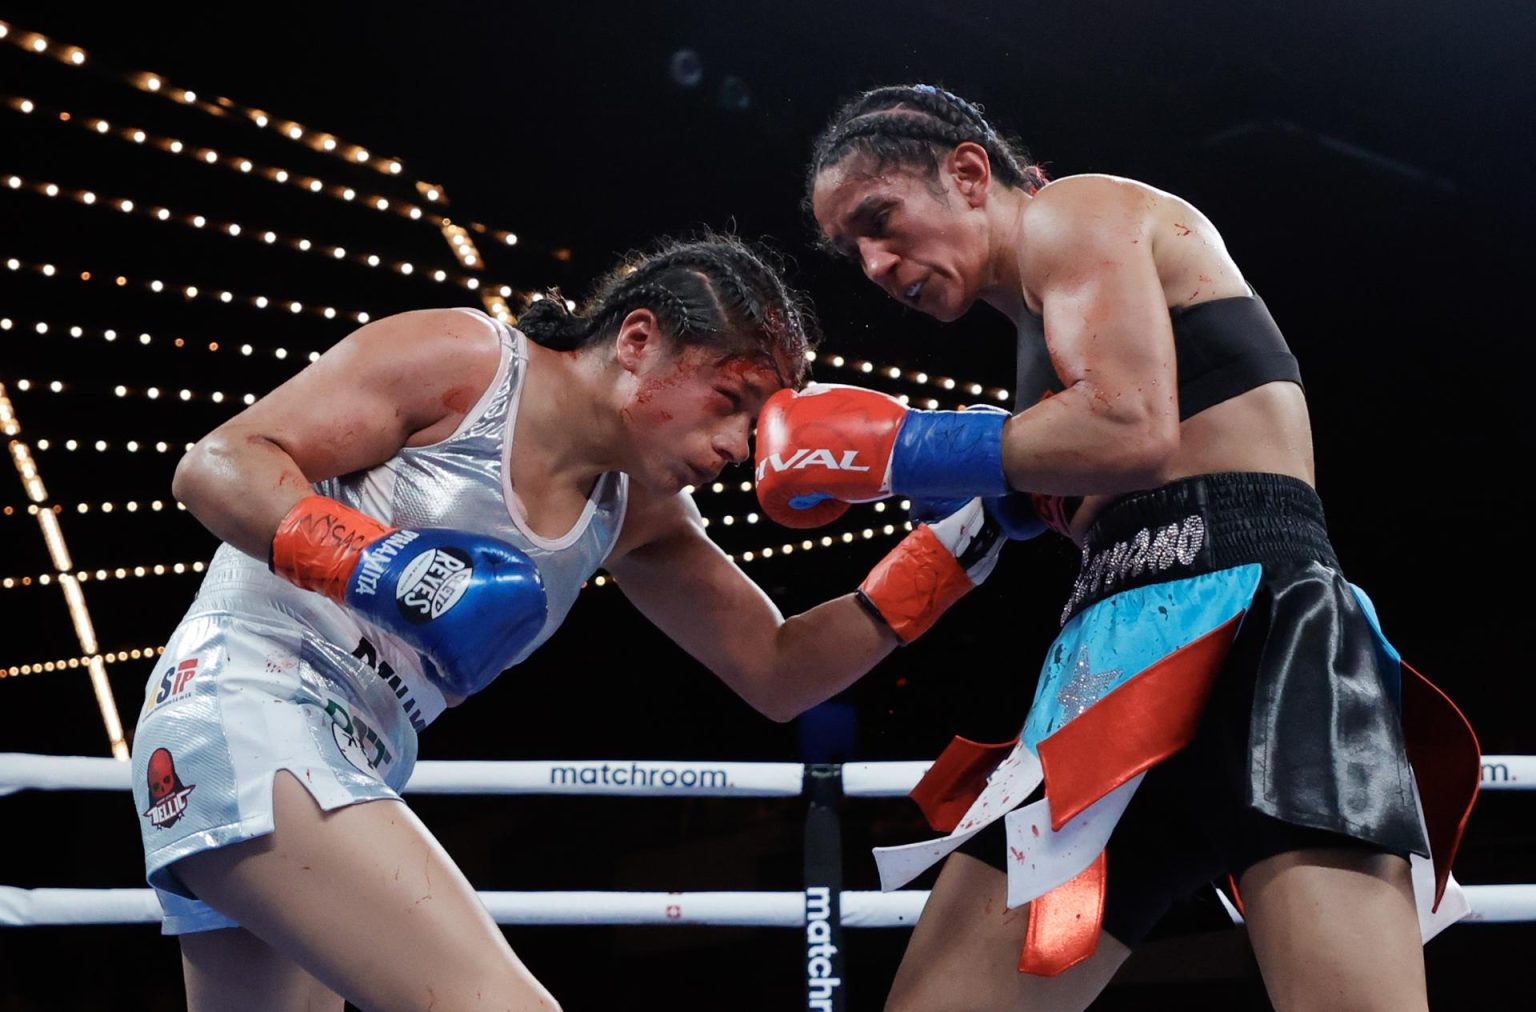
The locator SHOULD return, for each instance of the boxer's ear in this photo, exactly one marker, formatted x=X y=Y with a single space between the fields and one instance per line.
x=639 y=339
x=971 y=169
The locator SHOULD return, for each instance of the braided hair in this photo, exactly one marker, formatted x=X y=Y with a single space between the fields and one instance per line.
x=714 y=290
x=916 y=125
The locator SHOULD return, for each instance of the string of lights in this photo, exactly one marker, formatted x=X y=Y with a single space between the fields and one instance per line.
x=189 y=292
x=58 y=552
x=494 y=300
x=72 y=663
x=224 y=108
x=131 y=506
x=825 y=541
x=102 y=575
x=234 y=230
x=919 y=377
x=721 y=486
x=462 y=245
x=107 y=446
x=144 y=339
x=209 y=156
x=729 y=520
x=148 y=393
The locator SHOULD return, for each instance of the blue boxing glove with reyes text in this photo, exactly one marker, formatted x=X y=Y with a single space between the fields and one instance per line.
x=469 y=603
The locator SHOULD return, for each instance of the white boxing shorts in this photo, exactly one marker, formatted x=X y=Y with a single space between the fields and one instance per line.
x=234 y=699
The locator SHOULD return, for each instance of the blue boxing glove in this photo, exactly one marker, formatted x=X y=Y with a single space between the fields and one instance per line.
x=1016 y=515
x=469 y=603
x=1012 y=512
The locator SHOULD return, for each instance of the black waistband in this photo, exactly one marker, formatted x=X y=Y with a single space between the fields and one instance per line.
x=1199 y=525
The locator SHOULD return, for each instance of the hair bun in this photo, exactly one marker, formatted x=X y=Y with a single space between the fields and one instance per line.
x=551 y=323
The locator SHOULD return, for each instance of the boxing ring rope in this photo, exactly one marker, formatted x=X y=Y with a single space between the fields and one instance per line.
x=859 y=909
x=822 y=909
x=21 y=771
x=1491 y=904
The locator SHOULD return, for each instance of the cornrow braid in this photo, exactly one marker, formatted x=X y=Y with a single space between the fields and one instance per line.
x=713 y=290
x=916 y=125
x=731 y=284
x=666 y=304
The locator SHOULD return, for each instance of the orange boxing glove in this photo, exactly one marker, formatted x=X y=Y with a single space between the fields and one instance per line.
x=932 y=568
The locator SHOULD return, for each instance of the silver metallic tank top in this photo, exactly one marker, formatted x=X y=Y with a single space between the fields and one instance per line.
x=461 y=482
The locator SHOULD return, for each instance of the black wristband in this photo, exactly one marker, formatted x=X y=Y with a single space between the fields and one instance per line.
x=869 y=606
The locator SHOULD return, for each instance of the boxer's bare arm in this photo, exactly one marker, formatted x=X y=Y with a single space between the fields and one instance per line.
x=1116 y=425
x=403 y=380
x=686 y=585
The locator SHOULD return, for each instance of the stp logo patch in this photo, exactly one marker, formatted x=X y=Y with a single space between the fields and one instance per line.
x=167 y=794
x=174 y=682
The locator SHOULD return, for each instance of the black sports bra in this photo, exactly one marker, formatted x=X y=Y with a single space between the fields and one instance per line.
x=1223 y=348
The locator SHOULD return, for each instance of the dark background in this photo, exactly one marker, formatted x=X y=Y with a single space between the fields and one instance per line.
x=1368 y=164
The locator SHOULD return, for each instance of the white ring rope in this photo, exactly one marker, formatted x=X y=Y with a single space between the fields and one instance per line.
x=36 y=907
x=1491 y=904
x=882 y=780
x=643 y=777
x=650 y=778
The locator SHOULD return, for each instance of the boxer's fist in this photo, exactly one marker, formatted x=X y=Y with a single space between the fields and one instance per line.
x=932 y=568
x=822 y=448
x=467 y=602
x=829 y=445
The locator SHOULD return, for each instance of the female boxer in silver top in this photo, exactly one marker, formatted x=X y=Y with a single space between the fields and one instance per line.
x=408 y=516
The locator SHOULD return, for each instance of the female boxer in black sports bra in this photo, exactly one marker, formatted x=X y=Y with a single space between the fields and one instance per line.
x=1216 y=679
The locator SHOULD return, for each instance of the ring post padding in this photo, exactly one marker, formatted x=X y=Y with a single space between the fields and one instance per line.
x=824 y=990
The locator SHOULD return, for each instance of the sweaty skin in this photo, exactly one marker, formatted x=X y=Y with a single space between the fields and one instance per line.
x=1101 y=259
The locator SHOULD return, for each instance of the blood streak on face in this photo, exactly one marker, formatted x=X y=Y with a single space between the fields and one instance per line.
x=668 y=376
x=692 y=414
x=755 y=374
